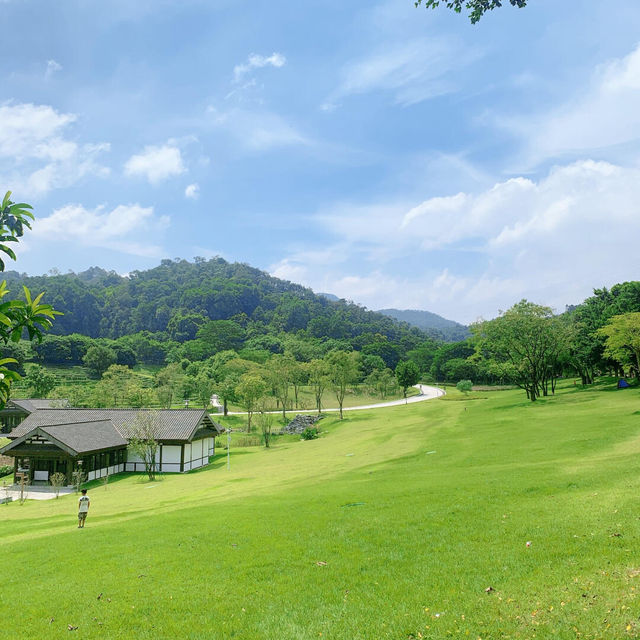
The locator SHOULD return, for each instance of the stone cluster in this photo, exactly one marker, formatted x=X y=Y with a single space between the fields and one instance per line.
x=300 y=423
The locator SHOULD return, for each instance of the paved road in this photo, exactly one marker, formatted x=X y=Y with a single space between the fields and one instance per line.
x=426 y=393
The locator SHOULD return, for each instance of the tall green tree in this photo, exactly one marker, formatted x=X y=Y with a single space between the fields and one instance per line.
x=250 y=389
x=318 y=371
x=525 y=345
x=114 y=383
x=98 y=359
x=280 y=373
x=167 y=384
x=344 y=370
x=407 y=374
x=622 y=339
x=41 y=382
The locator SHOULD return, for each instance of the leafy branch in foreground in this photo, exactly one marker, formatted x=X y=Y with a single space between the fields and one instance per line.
x=16 y=316
x=477 y=8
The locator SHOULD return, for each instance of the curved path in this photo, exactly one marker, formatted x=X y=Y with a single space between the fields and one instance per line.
x=426 y=393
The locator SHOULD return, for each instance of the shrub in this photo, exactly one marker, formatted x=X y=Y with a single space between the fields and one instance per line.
x=5 y=470
x=465 y=386
x=310 y=433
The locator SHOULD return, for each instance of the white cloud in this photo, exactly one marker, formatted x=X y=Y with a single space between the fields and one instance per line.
x=255 y=61
x=126 y=229
x=411 y=71
x=52 y=67
x=33 y=131
x=192 y=191
x=605 y=114
x=156 y=163
x=35 y=153
x=256 y=130
x=550 y=240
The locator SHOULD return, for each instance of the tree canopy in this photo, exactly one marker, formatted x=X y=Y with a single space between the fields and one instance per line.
x=476 y=8
x=17 y=317
x=622 y=342
x=524 y=345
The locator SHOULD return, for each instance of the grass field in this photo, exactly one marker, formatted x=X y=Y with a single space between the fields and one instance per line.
x=394 y=524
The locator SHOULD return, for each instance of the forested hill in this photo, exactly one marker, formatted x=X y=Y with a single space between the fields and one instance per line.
x=430 y=322
x=178 y=298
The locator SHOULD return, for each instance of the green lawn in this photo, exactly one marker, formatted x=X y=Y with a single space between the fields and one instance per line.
x=392 y=525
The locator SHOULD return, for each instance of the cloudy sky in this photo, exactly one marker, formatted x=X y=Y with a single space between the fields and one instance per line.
x=390 y=155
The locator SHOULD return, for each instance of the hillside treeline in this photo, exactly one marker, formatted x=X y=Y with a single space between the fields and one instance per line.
x=182 y=313
x=194 y=310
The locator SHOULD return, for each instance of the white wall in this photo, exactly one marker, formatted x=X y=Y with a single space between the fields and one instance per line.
x=171 y=458
x=101 y=473
x=196 y=455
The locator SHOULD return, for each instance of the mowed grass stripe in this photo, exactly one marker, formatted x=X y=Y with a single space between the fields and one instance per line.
x=218 y=554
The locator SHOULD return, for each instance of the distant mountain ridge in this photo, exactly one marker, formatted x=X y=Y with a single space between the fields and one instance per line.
x=432 y=323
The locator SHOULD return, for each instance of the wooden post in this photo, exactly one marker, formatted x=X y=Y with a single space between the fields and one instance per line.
x=15 y=470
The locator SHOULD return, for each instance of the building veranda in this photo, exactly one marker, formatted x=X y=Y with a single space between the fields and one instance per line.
x=97 y=441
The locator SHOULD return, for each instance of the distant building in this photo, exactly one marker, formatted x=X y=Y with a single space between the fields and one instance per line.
x=215 y=403
x=15 y=411
x=64 y=440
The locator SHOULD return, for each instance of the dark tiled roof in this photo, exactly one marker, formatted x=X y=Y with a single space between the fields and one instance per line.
x=33 y=404
x=172 y=424
x=83 y=437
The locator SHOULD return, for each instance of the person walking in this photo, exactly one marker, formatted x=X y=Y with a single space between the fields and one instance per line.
x=83 y=508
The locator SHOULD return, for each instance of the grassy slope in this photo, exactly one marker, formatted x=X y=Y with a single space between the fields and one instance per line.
x=411 y=538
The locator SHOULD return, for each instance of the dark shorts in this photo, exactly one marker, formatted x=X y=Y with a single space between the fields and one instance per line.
x=82 y=515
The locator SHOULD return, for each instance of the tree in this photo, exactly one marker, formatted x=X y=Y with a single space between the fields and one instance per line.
x=40 y=381
x=299 y=377
x=381 y=382
x=250 y=389
x=459 y=369
x=344 y=369
x=281 y=373
x=57 y=481
x=524 y=345
x=371 y=363
x=114 y=383
x=17 y=316
x=144 y=440
x=318 y=370
x=167 y=382
x=477 y=8
x=98 y=359
x=407 y=374
x=465 y=386
x=622 y=343
x=138 y=396
x=221 y=335
x=226 y=389
x=265 y=421
x=78 y=478
x=203 y=387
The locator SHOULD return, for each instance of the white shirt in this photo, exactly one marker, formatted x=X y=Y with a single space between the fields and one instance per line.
x=83 y=504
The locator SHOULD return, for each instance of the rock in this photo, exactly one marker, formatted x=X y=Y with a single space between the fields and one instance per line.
x=300 y=423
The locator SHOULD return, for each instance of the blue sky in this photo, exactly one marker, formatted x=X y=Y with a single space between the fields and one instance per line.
x=387 y=154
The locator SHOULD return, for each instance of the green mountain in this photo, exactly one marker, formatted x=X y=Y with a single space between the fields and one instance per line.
x=193 y=309
x=431 y=323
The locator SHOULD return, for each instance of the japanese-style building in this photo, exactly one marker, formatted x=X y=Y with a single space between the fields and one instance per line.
x=17 y=410
x=96 y=441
